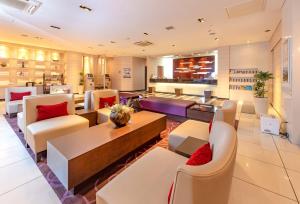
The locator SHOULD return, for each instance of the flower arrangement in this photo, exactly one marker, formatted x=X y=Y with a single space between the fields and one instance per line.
x=120 y=114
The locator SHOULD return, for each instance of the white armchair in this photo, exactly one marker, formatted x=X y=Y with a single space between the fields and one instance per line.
x=38 y=132
x=149 y=179
x=14 y=107
x=200 y=130
x=103 y=113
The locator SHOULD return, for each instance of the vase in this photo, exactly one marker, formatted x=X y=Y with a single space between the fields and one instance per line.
x=261 y=106
x=119 y=119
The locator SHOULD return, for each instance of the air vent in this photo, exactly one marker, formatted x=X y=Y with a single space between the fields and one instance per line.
x=143 y=43
x=28 y=6
x=246 y=8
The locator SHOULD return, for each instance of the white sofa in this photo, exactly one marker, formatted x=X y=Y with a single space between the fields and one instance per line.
x=14 y=107
x=149 y=179
x=103 y=113
x=20 y=122
x=200 y=129
x=38 y=132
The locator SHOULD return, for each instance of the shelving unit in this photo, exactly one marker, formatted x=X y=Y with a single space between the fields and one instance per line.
x=19 y=65
x=52 y=79
x=241 y=81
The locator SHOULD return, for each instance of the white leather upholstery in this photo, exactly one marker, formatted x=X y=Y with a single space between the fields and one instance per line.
x=190 y=128
x=149 y=179
x=38 y=132
x=200 y=129
x=209 y=183
x=227 y=113
x=103 y=114
x=20 y=121
x=16 y=106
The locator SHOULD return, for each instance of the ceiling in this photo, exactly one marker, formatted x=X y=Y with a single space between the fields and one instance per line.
x=126 y=21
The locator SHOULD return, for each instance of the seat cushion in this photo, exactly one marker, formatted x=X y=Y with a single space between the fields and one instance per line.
x=20 y=121
x=190 y=128
x=146 y=181
x=14 y=106
x=39 y=132
x=103 y=115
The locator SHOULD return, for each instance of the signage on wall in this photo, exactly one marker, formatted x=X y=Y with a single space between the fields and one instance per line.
x=286 y=65
x=127 y=73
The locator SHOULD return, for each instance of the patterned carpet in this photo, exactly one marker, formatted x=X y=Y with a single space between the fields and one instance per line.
x=87 y=194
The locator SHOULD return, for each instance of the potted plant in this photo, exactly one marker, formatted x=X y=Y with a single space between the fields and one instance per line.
x=260 y=99
x=81 y=83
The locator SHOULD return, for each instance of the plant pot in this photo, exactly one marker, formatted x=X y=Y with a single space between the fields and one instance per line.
x=120 y=120
x=261 y=106
x=80 y=89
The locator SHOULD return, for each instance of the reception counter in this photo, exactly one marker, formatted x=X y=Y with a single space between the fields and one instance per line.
x=186 y=81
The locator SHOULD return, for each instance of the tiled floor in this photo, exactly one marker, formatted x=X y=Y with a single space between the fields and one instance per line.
x=267 y=169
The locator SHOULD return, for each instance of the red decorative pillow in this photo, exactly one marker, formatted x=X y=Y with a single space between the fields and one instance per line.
x=201 y=156
x=210 y=126
x=110 y=101
x=14 y=96
x=51 y=111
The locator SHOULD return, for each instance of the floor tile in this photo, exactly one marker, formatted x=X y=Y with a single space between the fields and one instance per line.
x=295 y=179
x=12 y=155
x=245 y=193
x=257 y=152
x=265 y=142
x=291 y=160
x=36 y=191
x=17 y=174
x=286 y=145
x=268 y=176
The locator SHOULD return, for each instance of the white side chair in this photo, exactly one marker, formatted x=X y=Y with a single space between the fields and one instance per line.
x=200 y=130
x=103 y=113
x=38 y=132
x=148 y=180
x=14 y=107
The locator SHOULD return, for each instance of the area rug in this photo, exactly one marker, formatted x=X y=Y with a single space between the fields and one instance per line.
x=87 y=194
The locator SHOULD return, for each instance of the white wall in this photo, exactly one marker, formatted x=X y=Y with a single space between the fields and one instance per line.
x=137 y=80
x=291 y=103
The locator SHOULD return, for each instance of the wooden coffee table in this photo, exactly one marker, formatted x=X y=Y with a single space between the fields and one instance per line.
x=76 y=157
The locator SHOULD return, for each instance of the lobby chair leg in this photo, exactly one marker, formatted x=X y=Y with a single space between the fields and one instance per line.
x=20 y=130
x=37 y=157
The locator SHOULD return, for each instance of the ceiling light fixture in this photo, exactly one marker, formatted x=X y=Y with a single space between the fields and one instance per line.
x=268 y=30
x=216 y=39
x=85 y=8
x=38 y=38
x=146 y=33
x=212 y=33
x=173 y=45
x=113 y=42
x=55 y=27
x=24 y=35
x=100 y=45
x=201 y=20
x=170 y=28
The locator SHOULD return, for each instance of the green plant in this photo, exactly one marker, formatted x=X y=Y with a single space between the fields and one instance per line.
x=81 y=79
x=260 y=84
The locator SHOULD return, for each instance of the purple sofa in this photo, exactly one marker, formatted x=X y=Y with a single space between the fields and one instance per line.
x=166 y=105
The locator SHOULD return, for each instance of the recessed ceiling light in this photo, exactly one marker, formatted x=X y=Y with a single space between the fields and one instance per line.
x=173 y=45
x=38 y=38
x=268 y=30
x=100 y=45
x=24 y=35
x=90 y=47
x=112 y=42
x=143 y=50
x=170 y=28
x=212 y=33
x=216 y=39
x=201 y=20
x=146 y=33
x=55 y=27
x=85 y=8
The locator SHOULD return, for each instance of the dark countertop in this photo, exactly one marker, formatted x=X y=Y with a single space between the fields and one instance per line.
x=186 y=81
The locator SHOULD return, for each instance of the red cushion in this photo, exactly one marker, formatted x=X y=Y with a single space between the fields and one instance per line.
x=14 y=96
x=210 y=126
x=110 y=101
x=51 y=111
x=201 y=156
x=170 y=192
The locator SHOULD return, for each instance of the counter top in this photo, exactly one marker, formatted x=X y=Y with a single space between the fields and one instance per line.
x=182 y=81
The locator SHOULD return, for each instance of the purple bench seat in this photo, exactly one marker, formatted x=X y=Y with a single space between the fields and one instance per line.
x=166 y=105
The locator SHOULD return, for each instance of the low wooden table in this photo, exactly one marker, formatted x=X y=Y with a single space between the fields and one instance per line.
x=76 y=157
x=202 y=112
x=91 y=115
x=189 y=146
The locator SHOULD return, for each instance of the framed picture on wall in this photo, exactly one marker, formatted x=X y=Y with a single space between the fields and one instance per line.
x=286 y=64
x=126 y=72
